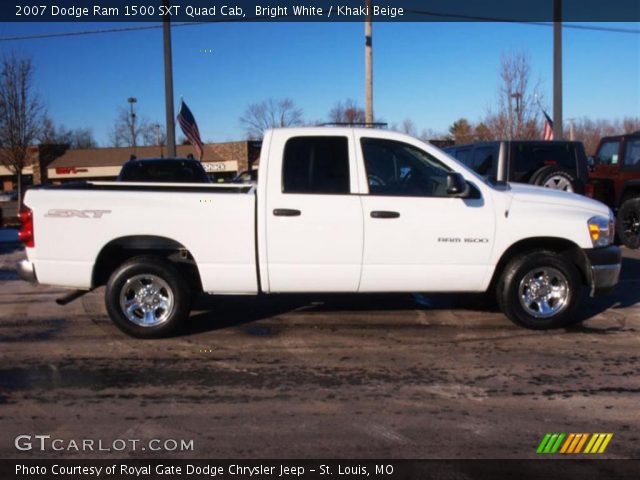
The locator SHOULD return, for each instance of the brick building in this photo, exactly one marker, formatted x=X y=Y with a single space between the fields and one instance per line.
x=56 y=164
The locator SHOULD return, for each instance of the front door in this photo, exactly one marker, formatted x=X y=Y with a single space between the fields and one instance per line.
x=416 y=236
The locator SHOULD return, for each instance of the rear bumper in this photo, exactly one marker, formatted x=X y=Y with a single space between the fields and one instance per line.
x=26 y=271
x=604 y=267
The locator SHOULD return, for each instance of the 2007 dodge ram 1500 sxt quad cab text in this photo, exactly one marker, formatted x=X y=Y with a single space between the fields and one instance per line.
x=334 y=210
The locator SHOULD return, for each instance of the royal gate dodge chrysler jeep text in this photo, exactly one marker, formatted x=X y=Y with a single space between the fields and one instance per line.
x=334 y=210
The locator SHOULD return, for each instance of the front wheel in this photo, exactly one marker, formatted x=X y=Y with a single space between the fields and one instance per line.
x=539 y=290
x=628 y=223
x=146 y=297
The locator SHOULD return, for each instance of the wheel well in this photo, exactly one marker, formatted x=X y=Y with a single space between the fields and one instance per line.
x=558 y=245
x=629 y=192
x=118 y=251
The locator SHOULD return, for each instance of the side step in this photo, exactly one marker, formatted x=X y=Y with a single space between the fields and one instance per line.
x=71 y=296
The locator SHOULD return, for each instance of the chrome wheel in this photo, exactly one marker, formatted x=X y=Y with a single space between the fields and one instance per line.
x=544 y=292
x=146 y=300
x=559 y=182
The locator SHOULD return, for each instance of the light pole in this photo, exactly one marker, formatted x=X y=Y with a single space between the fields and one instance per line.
x=557 y=69
x=131 y=101
x=368 y=64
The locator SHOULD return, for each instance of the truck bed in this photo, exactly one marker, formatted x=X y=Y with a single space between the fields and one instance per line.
x=79 y=220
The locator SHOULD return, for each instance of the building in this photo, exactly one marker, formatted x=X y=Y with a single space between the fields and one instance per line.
x=220 y=160
x=57 y=164
x=39 y=157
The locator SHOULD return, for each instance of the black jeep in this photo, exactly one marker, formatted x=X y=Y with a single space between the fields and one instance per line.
x=555 y=164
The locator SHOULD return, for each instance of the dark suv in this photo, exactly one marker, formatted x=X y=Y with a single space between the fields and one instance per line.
x=170 y=170
x=555 y=164
x=615 y=177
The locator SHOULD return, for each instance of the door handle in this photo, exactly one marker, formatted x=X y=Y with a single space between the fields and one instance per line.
x=384 y=214
x=286 y=212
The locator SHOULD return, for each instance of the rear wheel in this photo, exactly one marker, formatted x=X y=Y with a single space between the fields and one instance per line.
x=539 y=290
x=557 y=178
x=147 y=297
x=628 y=223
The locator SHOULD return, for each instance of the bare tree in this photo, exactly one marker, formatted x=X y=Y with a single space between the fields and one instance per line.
x=270 y=114
x=517 y=108
x=347 y=112
x=129 y=130
x=590 y=131
x=154 y=134
x=408 y=127
x=21 y=114
x=73 y=138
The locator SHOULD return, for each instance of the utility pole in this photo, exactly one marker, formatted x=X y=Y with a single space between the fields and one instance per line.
x=368 y=64
x=557 y=70
x=168 y=82
x=131 y=101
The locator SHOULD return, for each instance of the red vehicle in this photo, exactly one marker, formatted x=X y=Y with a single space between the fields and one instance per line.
x=615 y=177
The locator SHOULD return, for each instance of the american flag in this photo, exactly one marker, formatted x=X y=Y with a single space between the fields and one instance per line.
x=190 y=128
x=548 y=127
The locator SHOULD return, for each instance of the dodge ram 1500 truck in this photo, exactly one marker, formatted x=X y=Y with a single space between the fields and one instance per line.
x=334 y=210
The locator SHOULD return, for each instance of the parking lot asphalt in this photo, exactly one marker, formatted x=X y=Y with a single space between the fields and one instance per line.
x=391 y=376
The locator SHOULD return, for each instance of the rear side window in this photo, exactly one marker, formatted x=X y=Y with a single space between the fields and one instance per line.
x=632 y=153
x=316 y=165
x=530 y=158
x=464 y=155
x=483 y=159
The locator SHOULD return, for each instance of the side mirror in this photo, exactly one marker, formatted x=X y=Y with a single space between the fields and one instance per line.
x=457 y=186
x=591 y=161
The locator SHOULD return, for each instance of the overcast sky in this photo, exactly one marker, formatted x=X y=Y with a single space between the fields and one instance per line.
x=432 y=73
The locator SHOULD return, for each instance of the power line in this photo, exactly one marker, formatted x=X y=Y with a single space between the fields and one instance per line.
x=419 y=12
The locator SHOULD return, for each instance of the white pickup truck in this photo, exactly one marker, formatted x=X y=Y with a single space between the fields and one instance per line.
x=334 y=210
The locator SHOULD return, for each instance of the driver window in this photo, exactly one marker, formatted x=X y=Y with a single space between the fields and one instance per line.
x=608 y=153
x=399 y=169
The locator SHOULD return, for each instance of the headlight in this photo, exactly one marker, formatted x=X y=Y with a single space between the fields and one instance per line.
x=601 y=230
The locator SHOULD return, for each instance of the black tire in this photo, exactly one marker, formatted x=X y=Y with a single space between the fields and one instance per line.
x=525 y=270
x=628 y=223
x=134 y=282
x=555 y=177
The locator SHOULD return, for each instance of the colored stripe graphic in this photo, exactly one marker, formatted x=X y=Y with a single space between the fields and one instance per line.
x=598 y=443
x=543 y=443
x=567 y=443
x=550 y=443
x=583 y=439
x=573 y=443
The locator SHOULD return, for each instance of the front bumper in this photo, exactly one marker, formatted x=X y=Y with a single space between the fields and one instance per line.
x=604 y=268
x=26 y=271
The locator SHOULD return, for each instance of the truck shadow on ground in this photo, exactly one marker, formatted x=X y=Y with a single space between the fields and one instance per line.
x=221 y=312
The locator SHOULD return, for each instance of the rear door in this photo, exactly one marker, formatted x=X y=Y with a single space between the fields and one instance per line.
x=314 y=229
x=606 y=168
